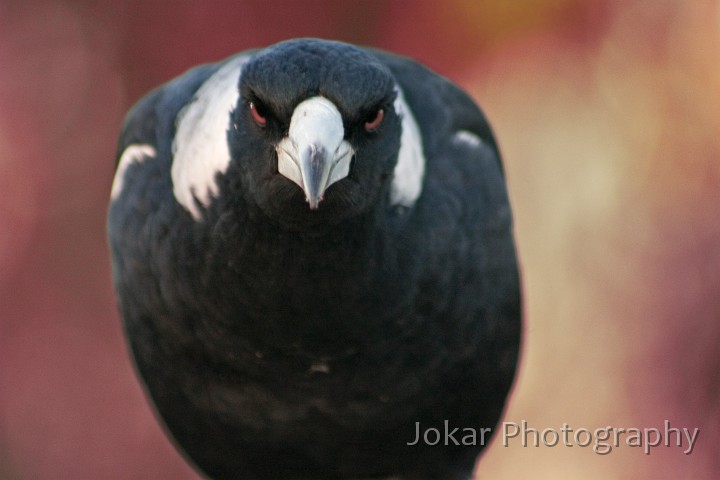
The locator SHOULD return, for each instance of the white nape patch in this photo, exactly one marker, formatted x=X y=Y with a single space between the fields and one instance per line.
x=135 y=153
x=468 y=138
x=200 y=148
x=410 y=169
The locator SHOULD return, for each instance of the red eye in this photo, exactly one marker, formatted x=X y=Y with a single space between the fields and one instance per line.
x=256 y=115
x=373 y=123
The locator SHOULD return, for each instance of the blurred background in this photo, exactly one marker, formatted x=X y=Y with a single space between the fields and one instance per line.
x=608 y=116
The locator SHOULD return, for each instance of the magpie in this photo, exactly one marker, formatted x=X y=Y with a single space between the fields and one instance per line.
x=313 y=256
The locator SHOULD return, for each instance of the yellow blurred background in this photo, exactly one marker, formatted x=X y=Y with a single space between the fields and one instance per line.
x=608 y=117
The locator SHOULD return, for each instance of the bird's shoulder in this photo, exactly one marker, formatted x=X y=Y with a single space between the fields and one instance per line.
x=151 y=119
x=144 y=156
x=441 y=108
x=172 y=126
x=463 y=166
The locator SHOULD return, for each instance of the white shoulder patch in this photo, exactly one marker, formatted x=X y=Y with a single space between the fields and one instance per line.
x=468 y=138
x=135 y=153
x=200 y=148
x=410 y=170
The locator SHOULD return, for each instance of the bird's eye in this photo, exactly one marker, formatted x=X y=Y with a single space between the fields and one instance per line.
x=374 y=120
x=257 y=114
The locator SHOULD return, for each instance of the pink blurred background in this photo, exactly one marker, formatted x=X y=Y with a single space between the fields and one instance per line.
x=608 y=115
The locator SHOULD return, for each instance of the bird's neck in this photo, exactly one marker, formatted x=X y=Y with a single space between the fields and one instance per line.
x=302 y=286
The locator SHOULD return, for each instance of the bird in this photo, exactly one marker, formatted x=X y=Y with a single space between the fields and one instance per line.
x=314 y=262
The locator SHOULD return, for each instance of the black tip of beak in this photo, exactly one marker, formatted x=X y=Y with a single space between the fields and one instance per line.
x=314 y=205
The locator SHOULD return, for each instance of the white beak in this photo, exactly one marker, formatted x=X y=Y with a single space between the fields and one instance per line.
x=314 y=155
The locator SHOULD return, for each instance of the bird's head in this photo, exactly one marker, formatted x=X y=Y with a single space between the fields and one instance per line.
x=315 y=133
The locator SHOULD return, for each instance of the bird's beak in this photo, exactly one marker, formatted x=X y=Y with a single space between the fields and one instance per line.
x=314 y=155
x=315 y=164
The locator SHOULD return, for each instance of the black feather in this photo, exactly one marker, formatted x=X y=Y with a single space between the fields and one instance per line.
x=279 y=342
